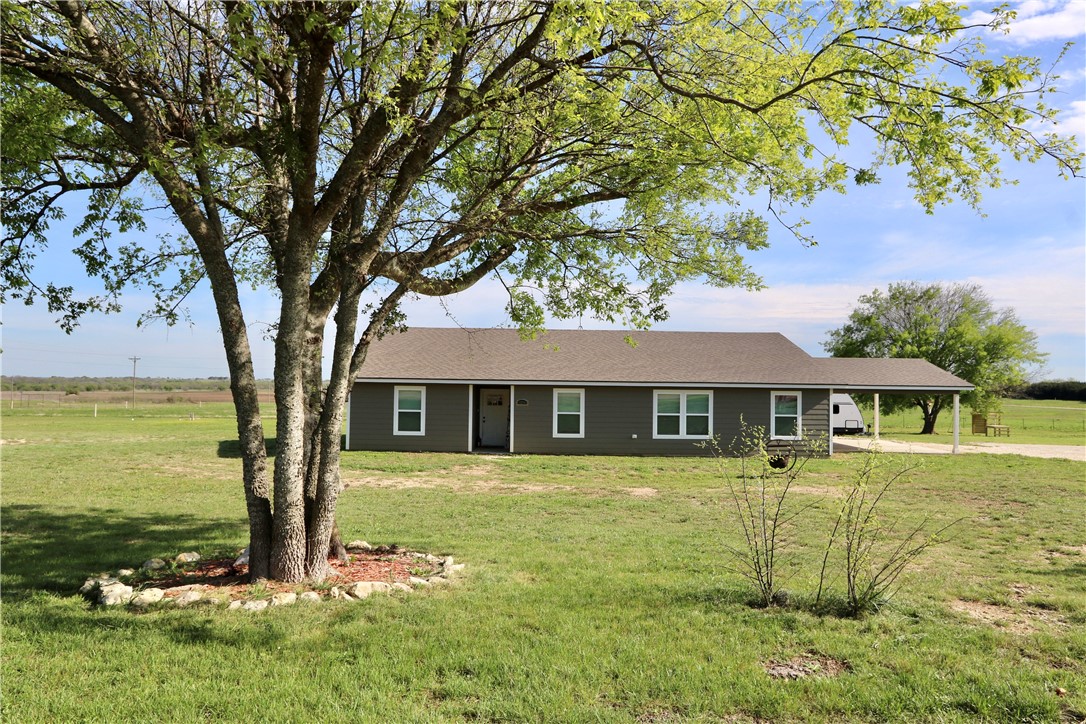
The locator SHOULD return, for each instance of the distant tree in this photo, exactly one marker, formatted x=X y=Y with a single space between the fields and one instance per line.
x=954 y=326
x=343 y=155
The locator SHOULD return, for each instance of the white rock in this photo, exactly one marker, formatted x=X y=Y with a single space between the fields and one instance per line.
x=153 y=564
x=94 y=584
x=456 y=568
x=401 y=586
x=359 y=590
x=146 y=597
x=188 y=557
x=438 y=580
x=448 y=562
x=188 y=597
x=362 y=589
x=310 y=597
x=126 y=572
x=254 y=605
x=114 y=594
x=284 y=598
x=416 y=581
x=234 y=606
x=359 y=545
x=336 y=592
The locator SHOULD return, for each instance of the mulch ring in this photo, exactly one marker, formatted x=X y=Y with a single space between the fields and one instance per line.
x=221 y=576
x=805 y=665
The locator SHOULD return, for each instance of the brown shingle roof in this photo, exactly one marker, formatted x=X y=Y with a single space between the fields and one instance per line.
x=603 y=356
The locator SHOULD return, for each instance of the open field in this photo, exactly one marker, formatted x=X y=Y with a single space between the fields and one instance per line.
x=597 y=589
x=1036 y=422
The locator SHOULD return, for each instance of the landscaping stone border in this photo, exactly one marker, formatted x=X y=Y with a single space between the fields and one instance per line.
x=121 y=589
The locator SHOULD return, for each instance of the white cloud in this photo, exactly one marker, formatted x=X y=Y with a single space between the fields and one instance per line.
x=1040 y=20
x=1073 y=119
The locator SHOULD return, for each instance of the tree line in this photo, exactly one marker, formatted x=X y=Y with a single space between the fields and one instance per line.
x=75 y=385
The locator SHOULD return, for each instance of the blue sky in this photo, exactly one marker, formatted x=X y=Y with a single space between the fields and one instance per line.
x=1028 y=251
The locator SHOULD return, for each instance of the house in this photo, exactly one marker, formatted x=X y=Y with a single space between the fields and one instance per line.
x=599 y=392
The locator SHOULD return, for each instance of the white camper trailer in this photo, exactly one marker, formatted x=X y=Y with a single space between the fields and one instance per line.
x=846 y=418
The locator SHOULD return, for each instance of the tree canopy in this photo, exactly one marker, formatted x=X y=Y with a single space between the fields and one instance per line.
x=343 y=155
x=954 y=326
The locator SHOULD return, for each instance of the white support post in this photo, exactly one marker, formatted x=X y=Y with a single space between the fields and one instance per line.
x=347 y=426
x=876 y=396
x=512 y=414
x=829 y=410
x=957 y=422
x=471 y=412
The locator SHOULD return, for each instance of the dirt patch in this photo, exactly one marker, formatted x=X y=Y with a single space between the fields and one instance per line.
x=459 y=486
x=826 y=492
x=1065 y=551
x=805 y=665
x=1019 y=621
x=641 y=492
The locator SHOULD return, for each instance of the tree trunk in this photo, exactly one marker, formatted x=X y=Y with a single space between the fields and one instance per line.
x=931 y=410
x=288 y=520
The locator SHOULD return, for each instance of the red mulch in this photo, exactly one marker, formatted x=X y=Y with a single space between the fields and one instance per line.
x=220 y=575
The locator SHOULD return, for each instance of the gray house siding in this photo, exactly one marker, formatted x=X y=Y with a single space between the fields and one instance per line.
x=612 y=417
x=446 y=418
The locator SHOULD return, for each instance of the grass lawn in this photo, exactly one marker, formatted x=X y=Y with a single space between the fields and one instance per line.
x=597 y=589
x=1036 y=422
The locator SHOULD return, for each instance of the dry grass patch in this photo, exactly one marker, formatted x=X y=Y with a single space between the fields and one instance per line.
x=805 y=665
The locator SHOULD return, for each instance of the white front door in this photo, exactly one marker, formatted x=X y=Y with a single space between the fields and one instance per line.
x=493 y=417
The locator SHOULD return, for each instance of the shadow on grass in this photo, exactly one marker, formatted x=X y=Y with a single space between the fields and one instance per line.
x=232 y=448
x=46 y=550
x=831 y=605
x=1070 y=571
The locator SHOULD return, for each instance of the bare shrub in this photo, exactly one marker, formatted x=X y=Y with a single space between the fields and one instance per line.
x=758 y=474
x=875 y=551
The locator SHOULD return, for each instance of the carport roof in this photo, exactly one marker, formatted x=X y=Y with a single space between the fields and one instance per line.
x=605 y=357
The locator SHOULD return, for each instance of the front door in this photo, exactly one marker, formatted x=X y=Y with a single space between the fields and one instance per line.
x=493 y=417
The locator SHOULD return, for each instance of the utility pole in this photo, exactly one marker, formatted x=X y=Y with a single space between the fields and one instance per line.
x=134 y=361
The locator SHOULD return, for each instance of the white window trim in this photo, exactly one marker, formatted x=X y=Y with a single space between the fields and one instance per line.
x=773 y=415
x=554 y=416
x=396 y=410
x=682 y=414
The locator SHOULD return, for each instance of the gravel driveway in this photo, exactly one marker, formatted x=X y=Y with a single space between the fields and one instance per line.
x=856 y=444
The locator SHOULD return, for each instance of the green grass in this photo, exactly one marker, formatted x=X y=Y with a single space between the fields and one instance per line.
x=585 y=599
x=1037 y=422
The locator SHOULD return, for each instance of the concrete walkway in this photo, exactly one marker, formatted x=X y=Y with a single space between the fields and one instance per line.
x=857 y=444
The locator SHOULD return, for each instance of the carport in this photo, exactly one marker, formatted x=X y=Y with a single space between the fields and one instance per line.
x=898 y=377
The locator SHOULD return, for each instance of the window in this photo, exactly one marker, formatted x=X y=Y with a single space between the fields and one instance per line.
x=568 y=413
x=682 y=414
x=409 y=415
x=786 y=420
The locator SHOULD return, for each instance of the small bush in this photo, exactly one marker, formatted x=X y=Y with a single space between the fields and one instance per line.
x=874 y=551
x=758 y=479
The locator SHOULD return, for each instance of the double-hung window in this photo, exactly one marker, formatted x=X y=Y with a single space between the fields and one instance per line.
x=409 y=413
x=786 y=417
x=568 y=413
x=682 y=414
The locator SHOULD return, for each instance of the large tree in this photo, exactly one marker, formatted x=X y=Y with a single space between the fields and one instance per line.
x=954 y=326
x=346 y=154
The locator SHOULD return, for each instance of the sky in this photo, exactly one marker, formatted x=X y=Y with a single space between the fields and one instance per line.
x=1027 y=249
